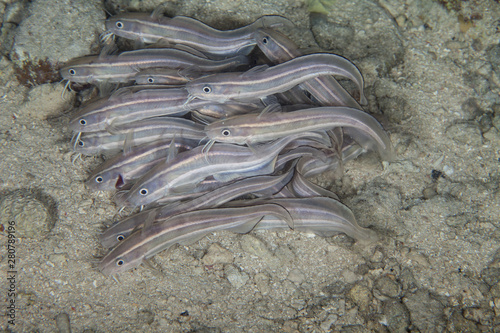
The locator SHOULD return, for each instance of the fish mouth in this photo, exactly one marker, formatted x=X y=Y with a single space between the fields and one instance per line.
x=119 y=182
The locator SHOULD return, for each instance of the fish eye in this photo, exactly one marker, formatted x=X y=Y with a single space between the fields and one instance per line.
x=81 y=144
x=119 y=24
x=151 y=80
x=265 y=40
x=83 y=122
x=99 y=179
x=207 y=89
x=143 y=191
x=119 y=262
x=120 y=238
x=226 y=132
x=71 y=71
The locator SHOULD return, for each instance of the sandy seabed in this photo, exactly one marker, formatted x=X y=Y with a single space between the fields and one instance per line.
x=432 y=78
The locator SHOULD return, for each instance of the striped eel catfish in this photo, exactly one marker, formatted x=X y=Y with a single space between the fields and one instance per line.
x=191 y=32
x=261 y=185
x=122 y=169
x=223 y=162
x=138 y=133
x=185 y=228
x=325 y=89
x=261 y=81
x=124 y=67
x=253 y=128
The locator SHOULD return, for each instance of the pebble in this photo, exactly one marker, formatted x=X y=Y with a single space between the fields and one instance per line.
x=62 y=323
x=216 y=254
x=465 y=133
x=361 y=295
x=479 y=315
x=387 y=286
x=328 y=322
x=429 y=192
x=33 y=217
x=256 y=247
x=262 y=283
x=145 y=317
x=493 y=55
x=426 y=312
x=395 y=108
x=235 y=276
x=397 y=317
x=491 y=275
x=470 y=108
x=457 y=323
x=296 y=276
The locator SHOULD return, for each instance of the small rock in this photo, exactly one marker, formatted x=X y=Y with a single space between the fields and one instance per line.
x=62 y=323
x=349 y=276
x=493 y=54
x=491 y=276
x=328 y=322
x=145 y=317
x=457 y=323
x=255 y=246
x=216 y=254
x=471 y=108
x=296 y=276
x=455 y=45
x=262 y=282
x=236 y=277
x=429 y=192
x=465 y=133
x=479 y=315
x=493 y=135
x=14 y=12
x=396 y=109
x=387 y=286
x=396 y=315
x=58 y=258
x=377 y=256
x=362 y=296
x=427 y=314
x=495 y=290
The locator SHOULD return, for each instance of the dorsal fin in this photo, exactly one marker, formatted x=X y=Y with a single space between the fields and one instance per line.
x=191 y=50
x=269 y=109
x=157 y=14
x=254 y=70
x=172 y=150
x=268 y=100
x=190 y=72
x=128 y=143
x=149 y=220
x=108 y=49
